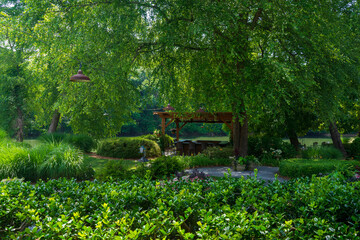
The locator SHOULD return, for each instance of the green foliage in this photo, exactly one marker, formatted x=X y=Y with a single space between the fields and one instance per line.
x=165 y=166
x=233 y=208
x=3 y=134
x=307 y=167
x=114 y=169
x=127 y=147
x=81 y=141
x=354 y=149
x=52 y=137
x=270 y=150
x=327 y=152
x=268 y=159
x=218 y=152
x=201 y=160
x=164 y=140
x=152 y=137
x=42 y=162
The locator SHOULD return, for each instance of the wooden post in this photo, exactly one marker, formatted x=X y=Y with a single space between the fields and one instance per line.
x=163 y=121
x=177 y=129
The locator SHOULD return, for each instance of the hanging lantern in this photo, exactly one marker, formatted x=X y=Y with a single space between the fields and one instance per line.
x=79 y=77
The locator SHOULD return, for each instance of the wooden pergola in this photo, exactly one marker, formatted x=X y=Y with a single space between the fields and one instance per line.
x=198 y=117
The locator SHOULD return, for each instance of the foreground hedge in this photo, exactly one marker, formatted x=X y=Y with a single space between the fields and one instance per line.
x=317 y=208
x=127 y=147
x=307 y=167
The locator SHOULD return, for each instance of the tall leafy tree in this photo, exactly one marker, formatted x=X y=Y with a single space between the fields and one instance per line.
x=14 y=79
x=240 y=56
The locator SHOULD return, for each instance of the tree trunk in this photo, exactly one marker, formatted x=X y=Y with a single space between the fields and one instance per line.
x=244 y=132
x=240 y=137
x=236 y=137
x=19 y=125
x=335 y=136
x=294 y=139
x=54 y=122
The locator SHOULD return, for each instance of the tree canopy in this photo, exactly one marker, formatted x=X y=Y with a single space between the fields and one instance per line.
x=249 y=57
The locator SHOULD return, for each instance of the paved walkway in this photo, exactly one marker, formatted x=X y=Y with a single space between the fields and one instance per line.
x=265 y=173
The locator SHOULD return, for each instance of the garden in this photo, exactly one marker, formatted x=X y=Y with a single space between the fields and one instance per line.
x=111 y=112
x=52 y=190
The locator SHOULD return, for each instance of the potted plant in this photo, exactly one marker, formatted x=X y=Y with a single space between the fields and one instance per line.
x=251 y=162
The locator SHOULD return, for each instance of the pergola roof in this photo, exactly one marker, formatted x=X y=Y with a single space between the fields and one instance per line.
x=197 y=117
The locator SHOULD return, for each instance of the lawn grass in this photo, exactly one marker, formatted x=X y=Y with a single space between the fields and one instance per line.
x=221 y=138
x=32 y=142
x=98 y=163
x=308 y=141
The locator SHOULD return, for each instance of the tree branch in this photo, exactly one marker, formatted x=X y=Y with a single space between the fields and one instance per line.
x=256 y=18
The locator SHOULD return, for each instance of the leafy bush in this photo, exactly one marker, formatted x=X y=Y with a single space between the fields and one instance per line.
x=3 y=134
x=307 y=167
x=127 y=148
x=316 y=208
x=52 y=137
x=328 y=152
x=164 y=140
x=270 y=149
x=61 y=160
x=268 y=159
x=354 y=149
x=81 y=141
x=200 y=160
x=164 y=166
x=218 y=152
x=42 y=162
x=114 y=169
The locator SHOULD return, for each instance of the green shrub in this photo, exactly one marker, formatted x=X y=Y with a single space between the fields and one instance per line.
x=55 y=138
x=218 y=152
x=114 y=169
x=42 y=162
x=307 y=167
x=152 y=137
x=127 y=148
x=15 y=161
x=354 y=149
x=164 y=140
x=225 y=208
x=327 y=152
x=61 y=161
x=200 y=160
x=270 y=147
x=81 y=141
x=164 y=166
x=3 y=134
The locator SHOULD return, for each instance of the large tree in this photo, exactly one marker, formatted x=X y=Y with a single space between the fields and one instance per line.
x=239 y=56
x=15 y=82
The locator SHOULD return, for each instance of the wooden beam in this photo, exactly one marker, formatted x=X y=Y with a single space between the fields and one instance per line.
x=183 y=125
x=227 y=124
x=177 y=129
x=169 y=123
x=163 y=121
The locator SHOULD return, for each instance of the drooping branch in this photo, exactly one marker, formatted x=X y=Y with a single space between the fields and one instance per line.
x=256 y=18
